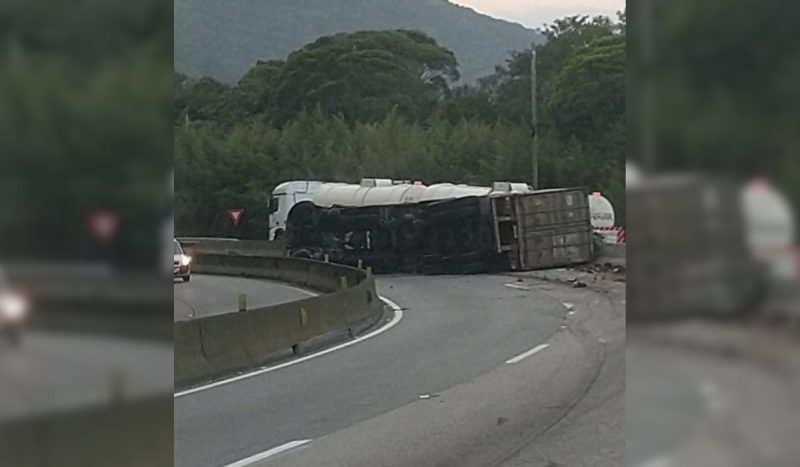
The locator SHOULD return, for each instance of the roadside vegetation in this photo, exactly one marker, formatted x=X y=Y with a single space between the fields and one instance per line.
x=384 y=104
x=84 y=126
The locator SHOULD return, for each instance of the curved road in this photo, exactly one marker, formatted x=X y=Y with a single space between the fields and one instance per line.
x=211 y=295
x=446 y=373
x=688 y=407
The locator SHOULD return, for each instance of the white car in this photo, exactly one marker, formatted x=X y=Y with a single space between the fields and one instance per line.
x=181 y=263
x=13 y=310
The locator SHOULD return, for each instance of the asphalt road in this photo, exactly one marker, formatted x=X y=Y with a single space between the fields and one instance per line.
x=210 y=295
x=691 y=406
x=442 y=387
x=592 y=433
x=52 y=372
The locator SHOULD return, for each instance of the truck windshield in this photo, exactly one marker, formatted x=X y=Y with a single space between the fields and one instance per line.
x=274 y=203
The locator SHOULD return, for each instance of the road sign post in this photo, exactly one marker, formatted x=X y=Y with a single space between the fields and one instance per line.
x=534 y=124
x=235 y=215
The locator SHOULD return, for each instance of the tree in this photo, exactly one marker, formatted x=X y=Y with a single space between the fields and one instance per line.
x=587 y=107
x=509 y=87
x=588 y=98
x=470 y=103
x=255 y=92
x=84 y=126
x=723 y=101
x=200 y=99
x=364 y=75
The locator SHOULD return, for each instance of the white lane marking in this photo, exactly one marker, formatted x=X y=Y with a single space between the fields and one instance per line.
x=662 y=461
x=267 y=454
x=517 y=286
x=708 y=389
x=398 y=315
x=303 y=291
x=527 y=354
x=713 y=397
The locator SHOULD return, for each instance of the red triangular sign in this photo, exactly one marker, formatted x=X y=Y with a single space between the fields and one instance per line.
x=235 y=215
x=104 y=225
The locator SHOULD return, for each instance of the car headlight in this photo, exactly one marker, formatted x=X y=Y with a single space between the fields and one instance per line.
x=185 y=260
x=13 y=306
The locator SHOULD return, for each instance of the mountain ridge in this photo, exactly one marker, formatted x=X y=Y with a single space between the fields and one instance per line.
x=223 y=39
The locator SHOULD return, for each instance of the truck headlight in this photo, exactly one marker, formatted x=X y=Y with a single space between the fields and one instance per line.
x=13 y=306
x=185 y=260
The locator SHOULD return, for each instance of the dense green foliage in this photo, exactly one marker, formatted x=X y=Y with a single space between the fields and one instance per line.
x=364 y=75
x=218 y=169
x=84 y=125
x=509 y=86
x=380 y=104
x=723 y=78
x=361 y=76
x=223 y=39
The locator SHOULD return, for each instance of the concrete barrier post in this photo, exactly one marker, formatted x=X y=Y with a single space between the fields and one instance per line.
x=116 y=384
x=343 y=280
x=303 y=317
x=360 y=263
x=327 y=258
x=242 y=302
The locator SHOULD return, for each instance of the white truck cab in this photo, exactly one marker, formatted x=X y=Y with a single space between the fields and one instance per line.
x=284 y=197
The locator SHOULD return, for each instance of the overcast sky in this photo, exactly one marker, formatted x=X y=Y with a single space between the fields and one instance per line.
x=534 y=13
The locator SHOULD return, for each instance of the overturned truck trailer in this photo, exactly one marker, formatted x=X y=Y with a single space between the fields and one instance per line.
x=438 y=229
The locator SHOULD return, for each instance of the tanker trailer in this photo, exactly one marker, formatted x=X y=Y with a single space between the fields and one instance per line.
x=442 y=228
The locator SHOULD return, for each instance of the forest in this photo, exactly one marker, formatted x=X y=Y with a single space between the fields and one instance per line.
x=388 y=104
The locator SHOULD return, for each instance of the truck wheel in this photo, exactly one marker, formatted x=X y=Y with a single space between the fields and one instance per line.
x=278 y=235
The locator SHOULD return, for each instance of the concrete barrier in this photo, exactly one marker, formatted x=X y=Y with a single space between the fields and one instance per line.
x=91 y=299
x=126 y=434
x=232 y=246
x=214 y=346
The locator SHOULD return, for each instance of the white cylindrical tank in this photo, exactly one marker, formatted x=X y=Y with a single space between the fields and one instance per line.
x=450 y=191
x=770 y=228
x=601 y=210
x=373 y=182
x=342 y=194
